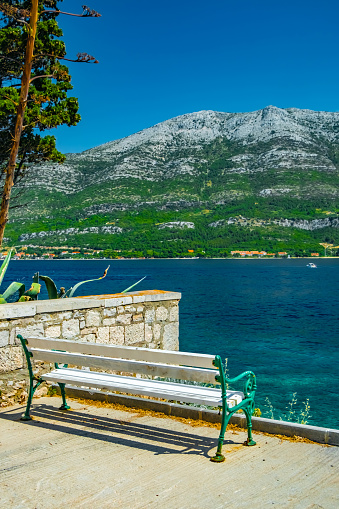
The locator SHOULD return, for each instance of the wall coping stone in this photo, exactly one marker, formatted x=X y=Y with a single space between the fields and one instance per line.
x=31 y=308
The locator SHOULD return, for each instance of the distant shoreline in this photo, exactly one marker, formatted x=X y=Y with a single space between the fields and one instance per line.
x=193 y=258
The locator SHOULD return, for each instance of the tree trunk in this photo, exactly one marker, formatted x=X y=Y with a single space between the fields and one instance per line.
x=25 y=82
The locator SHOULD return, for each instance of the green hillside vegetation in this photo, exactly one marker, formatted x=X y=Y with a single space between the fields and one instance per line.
x=141 y=236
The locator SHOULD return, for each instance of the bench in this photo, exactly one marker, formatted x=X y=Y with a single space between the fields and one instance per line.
x=157 y=369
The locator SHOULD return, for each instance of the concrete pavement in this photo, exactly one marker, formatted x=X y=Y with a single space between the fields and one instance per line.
x=104 y=457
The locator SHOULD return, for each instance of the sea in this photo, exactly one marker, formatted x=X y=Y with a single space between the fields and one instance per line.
x=276 y=317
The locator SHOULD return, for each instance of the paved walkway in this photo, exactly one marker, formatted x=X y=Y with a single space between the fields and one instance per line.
x=101 y=457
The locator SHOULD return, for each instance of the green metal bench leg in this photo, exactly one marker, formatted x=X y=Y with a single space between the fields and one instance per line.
x=26 y=416
x=64 y=405
x=32 y=379
x=219 y=457
x=249 y=440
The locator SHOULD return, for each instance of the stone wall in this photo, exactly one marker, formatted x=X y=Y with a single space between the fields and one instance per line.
x=149 y=319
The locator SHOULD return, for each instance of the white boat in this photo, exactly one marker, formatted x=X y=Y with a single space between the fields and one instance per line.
x=311 y=265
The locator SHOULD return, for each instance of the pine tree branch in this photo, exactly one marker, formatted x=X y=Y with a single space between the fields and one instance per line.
x=87 y=13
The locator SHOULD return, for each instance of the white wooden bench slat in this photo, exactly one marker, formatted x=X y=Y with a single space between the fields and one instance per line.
x=125 y=365
x=135 y=381
x=127 y=352
x=154 y=388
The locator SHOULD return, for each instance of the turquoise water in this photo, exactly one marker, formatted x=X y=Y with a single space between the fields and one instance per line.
x=275 y=317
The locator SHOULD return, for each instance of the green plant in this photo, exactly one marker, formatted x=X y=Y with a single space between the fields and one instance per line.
x=52 y=291
x=24 y=295
x=292 y=414
x=304 y=414
x=270 y=408
x=52 y=391
x=290 y=407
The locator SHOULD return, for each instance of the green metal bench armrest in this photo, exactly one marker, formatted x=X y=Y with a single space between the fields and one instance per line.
x=250 y=383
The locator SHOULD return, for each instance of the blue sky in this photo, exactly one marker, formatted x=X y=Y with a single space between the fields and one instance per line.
x=166 y=58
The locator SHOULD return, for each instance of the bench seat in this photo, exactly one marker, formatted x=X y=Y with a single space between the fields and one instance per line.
x=186 y=393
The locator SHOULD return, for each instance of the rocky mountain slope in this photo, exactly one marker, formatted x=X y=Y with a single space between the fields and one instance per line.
x=272 y=163
x=189 y=146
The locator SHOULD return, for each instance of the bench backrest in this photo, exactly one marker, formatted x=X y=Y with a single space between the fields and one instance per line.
x=127 y=359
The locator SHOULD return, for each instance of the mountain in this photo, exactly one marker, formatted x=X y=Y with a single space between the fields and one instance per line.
x=257 y=174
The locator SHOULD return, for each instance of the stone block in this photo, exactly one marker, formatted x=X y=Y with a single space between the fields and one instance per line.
x=170 y=340
x=79 y=314
x=117 y=301
x=41 y=391
x=134 y=334
x=158 y=295
x=89 y=330
x=85 y=302
x=137 y=318
x=11 y=358
x=108 y=321
x=93 y=319
x=55 y=305
x=157 y=331
x=70 y=328
x=120 y=309
x=140 y=309
x=36 y=329
x=109 y=311
x=117 y=335
x=46 y=317
x=21 y=322
x=169 y=296
x=130 y=309
x=4 y=338
x=82 y=324
x=138 y=298
x=17 y=310
x=124 y=319
x=54 y=331
x=161 y=314
x=90 y=338
x=63 y=316
x=13 y=340
x=174 y=314
x=103 y=335
x=149 y=315
x=148 y=333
